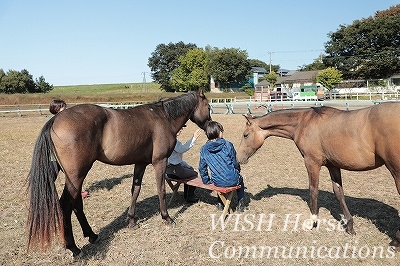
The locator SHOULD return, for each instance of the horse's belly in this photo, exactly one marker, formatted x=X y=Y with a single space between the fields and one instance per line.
x=125 y=157
x=359 y=162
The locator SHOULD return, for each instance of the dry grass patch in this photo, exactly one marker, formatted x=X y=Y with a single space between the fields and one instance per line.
x=276 y=186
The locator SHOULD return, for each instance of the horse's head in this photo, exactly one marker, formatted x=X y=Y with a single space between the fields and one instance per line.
x=202 y=112
x=252 y=139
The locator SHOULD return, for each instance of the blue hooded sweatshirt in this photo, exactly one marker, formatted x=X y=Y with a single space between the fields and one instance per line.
x=219 y=156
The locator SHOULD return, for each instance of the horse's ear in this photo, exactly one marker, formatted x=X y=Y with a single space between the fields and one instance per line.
x=200 y=91
x=248 y=118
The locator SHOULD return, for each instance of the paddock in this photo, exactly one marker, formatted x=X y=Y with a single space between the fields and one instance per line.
x=276 y=192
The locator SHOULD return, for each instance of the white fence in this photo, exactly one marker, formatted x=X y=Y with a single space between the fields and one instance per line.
x=236 y=106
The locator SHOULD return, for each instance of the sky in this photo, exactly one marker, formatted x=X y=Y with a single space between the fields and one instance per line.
x=83 y=42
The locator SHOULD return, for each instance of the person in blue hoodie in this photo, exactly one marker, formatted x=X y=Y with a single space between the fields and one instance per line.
x=218 y=156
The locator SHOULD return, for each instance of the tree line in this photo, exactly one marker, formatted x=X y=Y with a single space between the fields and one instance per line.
x=367 y=49
x=22 y=82
x=184 y=67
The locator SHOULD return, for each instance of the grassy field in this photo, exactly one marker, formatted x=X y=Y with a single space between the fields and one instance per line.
x=101 y=93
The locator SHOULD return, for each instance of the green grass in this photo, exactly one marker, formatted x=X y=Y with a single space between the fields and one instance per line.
x=102 y=93
x=126 y=88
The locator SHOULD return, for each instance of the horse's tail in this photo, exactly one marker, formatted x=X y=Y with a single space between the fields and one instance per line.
x=45 y=217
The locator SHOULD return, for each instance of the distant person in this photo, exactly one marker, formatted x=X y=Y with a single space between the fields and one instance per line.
x=57 y=106
x=177 y=168
x=219 y=157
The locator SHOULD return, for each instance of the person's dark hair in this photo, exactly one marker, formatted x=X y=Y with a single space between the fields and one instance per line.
x=213 y=128
x=56 y=106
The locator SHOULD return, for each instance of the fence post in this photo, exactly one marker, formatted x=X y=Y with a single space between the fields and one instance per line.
x=248 y=108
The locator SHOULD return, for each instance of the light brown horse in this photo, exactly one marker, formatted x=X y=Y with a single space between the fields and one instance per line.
x=86 y=133
x=357 y=140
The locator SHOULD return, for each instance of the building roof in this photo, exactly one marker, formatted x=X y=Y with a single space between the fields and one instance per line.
x=296 y=77
x=300 y=77
x=259 y=70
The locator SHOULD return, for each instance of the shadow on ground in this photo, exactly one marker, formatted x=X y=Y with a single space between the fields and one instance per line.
x=383 y=216
x=145 y=209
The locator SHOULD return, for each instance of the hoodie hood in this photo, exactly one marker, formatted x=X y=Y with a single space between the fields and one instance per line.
x=215 y=146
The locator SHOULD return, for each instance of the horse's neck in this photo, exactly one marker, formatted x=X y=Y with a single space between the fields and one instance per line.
x=281 y=123
x=178 y=123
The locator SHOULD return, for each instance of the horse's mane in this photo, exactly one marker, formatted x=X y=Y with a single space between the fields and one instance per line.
x=324 y=109
x=177 y=106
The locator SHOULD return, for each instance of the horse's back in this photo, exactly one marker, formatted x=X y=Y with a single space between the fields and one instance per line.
x=386 y=113
x=360 y=139
x=79 y=120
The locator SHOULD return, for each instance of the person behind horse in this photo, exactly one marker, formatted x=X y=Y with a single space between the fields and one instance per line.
x=219 y=156
x=57 y=106
x=179 y=169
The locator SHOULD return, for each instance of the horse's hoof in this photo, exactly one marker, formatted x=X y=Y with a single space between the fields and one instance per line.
x=169 y=222
x=348 y=226
x=77 y=254
x=350 y=231
x=311 y=223
x=132 y=224
x=395 y=244
x=94 y=239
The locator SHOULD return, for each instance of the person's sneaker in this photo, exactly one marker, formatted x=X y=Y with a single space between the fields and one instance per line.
x=220 y=206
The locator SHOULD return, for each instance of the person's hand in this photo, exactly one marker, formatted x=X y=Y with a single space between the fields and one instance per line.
x=197 y=133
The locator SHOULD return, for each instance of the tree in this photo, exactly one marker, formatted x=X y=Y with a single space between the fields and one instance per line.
x=328 y=78
x=228 y=66
x=22 y=82
x=271 y=77
x=18 y=82
x=318 y=64
x=2 y=75
x=42 y=86
x=164 y=60
x=192 y=71
x=369 y=48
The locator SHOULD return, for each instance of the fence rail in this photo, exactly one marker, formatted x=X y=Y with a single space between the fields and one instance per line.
x=220 y=106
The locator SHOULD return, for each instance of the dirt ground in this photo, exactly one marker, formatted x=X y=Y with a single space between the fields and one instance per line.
x=269 y=232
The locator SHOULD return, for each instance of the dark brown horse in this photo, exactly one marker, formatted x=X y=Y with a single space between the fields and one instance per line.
x=85 y=133
x=356 y=140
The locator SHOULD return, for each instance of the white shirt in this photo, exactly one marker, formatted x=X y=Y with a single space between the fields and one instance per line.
x=176 y=156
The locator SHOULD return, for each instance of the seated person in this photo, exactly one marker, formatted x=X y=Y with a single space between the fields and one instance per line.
x=219 y=156
x=177 y=168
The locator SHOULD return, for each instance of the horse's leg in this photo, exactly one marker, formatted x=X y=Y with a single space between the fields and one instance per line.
x=159 y=169
x=66 y=202
x=313 y=179
x=336 y=178
x=135 y=190
x=395 y=243
x=80 y=215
